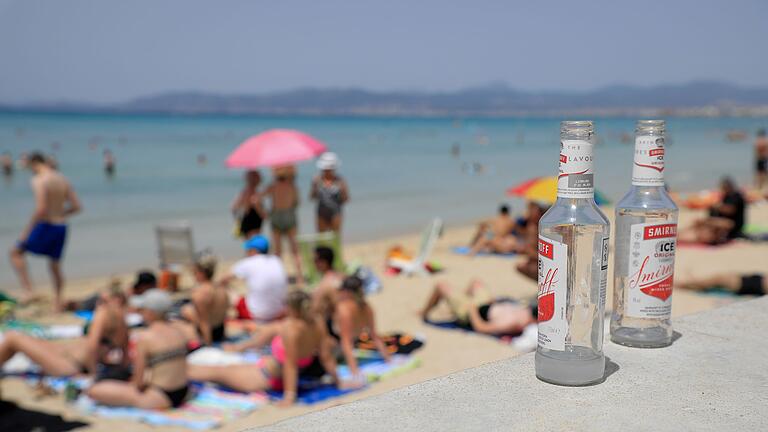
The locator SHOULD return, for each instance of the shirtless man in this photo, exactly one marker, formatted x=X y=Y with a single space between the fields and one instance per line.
x=761 y=158
x=55 y=202
x=6 y=164
x=324 y=294
x=496 y=235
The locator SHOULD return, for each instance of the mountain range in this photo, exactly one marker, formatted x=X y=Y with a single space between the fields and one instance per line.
x=695 y=98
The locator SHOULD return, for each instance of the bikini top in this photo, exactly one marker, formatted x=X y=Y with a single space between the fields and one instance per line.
x=278 y=352
x=173 y=354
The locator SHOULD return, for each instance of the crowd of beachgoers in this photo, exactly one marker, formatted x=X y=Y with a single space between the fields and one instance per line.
x=306 y=320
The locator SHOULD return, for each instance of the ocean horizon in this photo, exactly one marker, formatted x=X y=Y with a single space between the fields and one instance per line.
x=400 y=170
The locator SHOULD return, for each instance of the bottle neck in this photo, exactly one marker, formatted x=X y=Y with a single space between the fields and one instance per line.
x=575 y=178
x=648 y=168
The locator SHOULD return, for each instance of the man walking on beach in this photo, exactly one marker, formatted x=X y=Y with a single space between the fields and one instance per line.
x=46 y=233
x=761 y=158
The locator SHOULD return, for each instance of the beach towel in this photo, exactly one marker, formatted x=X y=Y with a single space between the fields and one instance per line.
x=56 y=331
x=312 y=391
x=756 y=232
x=464 y=250
x=396 y=343
x=208 y=408
x=526 y=341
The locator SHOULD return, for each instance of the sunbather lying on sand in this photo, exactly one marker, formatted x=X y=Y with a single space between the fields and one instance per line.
x=159 y=365
x=478 y=311
x=741 y=284
x=101 y=350
x=298 y=342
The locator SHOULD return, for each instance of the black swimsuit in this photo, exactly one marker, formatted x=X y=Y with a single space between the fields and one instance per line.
x=751 y=285
x=176 y=396
x=251 y=221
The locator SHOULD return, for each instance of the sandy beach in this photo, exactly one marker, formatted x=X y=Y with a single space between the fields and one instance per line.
x=396 y=307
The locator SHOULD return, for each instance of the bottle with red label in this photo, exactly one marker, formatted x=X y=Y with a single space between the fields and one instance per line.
x=646 y=233
x=573 y=266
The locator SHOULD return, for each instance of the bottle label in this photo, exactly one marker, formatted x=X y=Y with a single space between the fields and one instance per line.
x=576 y=176
x=651 y=269
x=648 y=169
x=603 y=271
x=553 y=291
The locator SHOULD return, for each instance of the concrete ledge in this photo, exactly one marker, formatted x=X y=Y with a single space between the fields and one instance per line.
x=714 y=377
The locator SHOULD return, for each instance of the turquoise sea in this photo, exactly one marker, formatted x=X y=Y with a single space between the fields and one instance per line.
x=401 y=173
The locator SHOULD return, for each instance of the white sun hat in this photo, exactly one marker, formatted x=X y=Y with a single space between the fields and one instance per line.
x=328 y=161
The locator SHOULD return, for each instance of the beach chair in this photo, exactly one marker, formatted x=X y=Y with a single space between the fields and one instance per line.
x=307 y=245
x=175 y=245
x=429 y=238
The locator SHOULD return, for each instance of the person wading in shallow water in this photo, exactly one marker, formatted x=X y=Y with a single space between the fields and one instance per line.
x=46 y=233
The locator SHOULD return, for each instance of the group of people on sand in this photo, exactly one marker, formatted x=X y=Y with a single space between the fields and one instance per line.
x=504 y=234
x=146 y=366
x=328 y=189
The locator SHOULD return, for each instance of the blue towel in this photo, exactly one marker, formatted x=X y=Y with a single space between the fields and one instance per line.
x=464 y=250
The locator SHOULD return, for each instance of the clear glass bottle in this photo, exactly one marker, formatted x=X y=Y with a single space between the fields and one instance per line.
x=646 y=230
x=573 y=266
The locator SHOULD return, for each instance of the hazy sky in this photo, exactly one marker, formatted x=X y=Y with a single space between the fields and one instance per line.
x=110 y=50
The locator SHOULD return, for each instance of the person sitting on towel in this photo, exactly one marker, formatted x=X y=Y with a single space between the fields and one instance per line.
x=208 y=307
x=478 y=311
x=100 y=352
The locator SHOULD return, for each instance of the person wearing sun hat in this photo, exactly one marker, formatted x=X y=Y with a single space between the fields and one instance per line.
x=331 y=193
x=265 y=277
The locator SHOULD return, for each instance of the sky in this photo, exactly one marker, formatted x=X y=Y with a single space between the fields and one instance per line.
x=104 y=51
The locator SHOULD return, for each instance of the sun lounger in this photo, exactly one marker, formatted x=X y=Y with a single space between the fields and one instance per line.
x=175 y=245
x=429 y=238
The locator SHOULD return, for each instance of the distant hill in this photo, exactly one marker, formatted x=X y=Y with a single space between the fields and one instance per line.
x=695 y=98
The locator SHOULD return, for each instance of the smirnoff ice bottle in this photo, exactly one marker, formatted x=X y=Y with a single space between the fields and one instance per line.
x=573 y=266
x=646 y=231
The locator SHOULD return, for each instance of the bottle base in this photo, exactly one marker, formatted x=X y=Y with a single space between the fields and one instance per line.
x=651 y=337
x=579 y=367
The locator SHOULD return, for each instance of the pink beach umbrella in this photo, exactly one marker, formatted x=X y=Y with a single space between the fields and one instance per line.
x=274 y=148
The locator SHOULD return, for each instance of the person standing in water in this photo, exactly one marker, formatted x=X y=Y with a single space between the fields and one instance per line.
x=109 y=163
x=331 y=193
x=46 y=233
x=247 y=206
x=761 y=159
x=6 y=164
x=284 y=199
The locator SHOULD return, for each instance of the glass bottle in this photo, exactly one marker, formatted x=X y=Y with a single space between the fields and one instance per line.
x=573 y=266
x=646 y=231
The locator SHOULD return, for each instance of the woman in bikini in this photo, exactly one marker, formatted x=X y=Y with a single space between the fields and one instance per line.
x=103 y=347
x=284 y=198
x=208 y=309
x=159 y=366
x=297 y=342
x=247 y=207
x=353 y=316
x=331 y=193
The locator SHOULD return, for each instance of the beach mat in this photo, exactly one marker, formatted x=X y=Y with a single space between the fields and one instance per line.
x=396 y=343
x=464 y=250
x=526 y=341
x=56 y=331
x=374 y=368
x=209 y=408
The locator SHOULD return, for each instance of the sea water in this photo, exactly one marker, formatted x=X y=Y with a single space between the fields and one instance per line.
x=400 y=170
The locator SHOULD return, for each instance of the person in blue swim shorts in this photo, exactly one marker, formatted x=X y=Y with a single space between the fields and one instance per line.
x=46 y=233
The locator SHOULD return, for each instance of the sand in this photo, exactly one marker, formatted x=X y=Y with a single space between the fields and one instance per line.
x=397 y=305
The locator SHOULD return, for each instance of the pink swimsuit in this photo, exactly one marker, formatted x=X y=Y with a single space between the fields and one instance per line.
x=278 y=353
